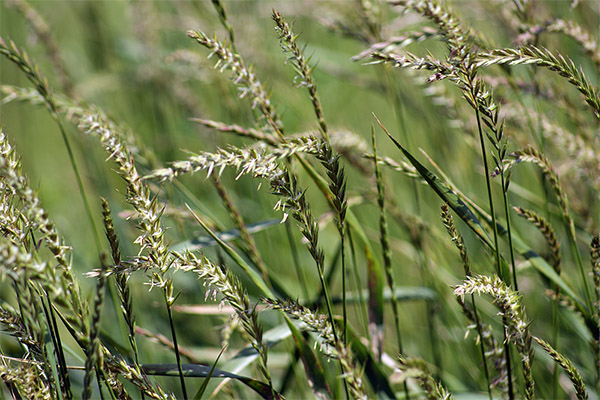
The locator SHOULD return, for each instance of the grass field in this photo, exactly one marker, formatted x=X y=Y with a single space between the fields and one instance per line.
x=330 y=199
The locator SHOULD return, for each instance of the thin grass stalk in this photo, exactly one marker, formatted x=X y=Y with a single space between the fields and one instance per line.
x=296 y=259
x=21 y=59
x=219 y=7
x=457 y=238
x=27 y=328
x=555 y=258
x=238 y=130
x=169 y=300
x=168 y=344
x=58 y=348
x=387 y=254
x=121 y=281
x=358 y=284
x=497 y=248
x=94 y=358
x=43 y=33
x=505 y=184
x=417 y=240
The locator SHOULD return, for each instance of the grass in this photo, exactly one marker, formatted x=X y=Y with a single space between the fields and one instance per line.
x=242 y=200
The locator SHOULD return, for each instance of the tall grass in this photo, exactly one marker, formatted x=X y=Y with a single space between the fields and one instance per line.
x=255 y=245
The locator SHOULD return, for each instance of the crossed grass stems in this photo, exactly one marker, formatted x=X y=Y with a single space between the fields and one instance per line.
x=49 y=288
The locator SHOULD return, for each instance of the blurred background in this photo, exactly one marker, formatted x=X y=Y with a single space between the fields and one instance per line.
x=133 y=60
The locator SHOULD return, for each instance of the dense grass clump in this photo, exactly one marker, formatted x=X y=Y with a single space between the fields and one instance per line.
x=242 y=200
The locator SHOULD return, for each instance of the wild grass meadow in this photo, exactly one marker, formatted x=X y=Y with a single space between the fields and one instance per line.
x=316 y=199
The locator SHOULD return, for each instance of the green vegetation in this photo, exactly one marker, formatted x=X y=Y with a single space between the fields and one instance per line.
x=274 y=200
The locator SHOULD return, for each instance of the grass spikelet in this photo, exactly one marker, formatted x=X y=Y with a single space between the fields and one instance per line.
x=567 y=366
x=32 y=72
x=319 y=324
x=417 y=369
x=26 y=381
x=247 y=161
x=151 y=238
x=508 y=301
x=287 y=39
x=547 y=231
x=529 y=154
x=564 y=66
x=227 y=285
x=458 y=39
x=243 y=76
x=456 y=238
x=94 y=358
x=57 y=281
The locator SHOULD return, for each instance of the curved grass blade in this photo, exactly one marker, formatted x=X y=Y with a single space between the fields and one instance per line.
x=204 y=371
x=201 y=242
x=202 y=389
x=445 y=193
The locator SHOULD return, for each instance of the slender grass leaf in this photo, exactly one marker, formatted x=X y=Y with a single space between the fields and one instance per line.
x=204 y=241
x=202 y=389
x=204 y=371
x=248 y=355
x=461 y=209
